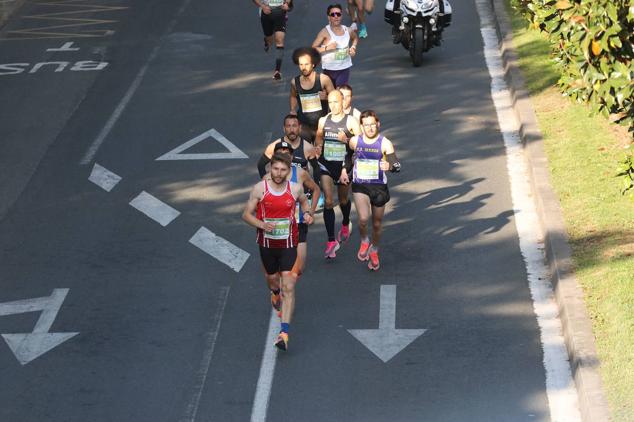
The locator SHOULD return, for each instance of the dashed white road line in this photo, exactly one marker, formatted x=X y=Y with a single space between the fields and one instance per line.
x=560 y=389
x=221 y=249
x=104 y=178
x=154 y=208
x=267 y=371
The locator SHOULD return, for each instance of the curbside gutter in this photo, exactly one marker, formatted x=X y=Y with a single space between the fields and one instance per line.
x=577 y=326
x=7 y=7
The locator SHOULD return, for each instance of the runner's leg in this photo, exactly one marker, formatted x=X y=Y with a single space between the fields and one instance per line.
x=377 y=226
x=327 y=185
x=363 y=207
x=344 y=203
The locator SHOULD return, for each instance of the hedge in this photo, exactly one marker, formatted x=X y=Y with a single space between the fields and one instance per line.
x=593 y=44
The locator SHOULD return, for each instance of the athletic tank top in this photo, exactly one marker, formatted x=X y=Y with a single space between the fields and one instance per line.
x=311 y=107
x=299 y=215
x=338 y=59
x=279 y=208
x=333 y=149
x=299 y=157
x=367 y=162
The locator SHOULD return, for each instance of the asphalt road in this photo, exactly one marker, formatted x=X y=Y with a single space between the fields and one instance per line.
x=166 y=331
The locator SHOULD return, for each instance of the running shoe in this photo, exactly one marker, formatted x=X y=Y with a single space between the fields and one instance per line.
x=373 y=262
x=363 y=251
x=276 y=302
x=344 y=234
x=363 y=30
x=331 y=249
x=282 y=341
x=277 y=75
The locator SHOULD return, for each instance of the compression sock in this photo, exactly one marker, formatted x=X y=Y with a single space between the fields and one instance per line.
x=329 y=222
x=345 y=210
x=285 y=327
x=279 y=55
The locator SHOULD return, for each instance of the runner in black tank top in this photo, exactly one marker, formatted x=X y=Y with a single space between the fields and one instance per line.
x=308 y=103
x=331 y=142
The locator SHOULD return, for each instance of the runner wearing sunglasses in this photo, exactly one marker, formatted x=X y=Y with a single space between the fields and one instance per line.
x=337 y=45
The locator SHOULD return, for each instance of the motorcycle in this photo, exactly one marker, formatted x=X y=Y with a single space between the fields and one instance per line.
x=418 y=24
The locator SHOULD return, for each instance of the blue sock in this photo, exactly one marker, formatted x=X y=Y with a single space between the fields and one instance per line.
x=285 y=326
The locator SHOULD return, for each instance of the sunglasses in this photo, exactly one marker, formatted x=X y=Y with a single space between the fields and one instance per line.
x=334 y=14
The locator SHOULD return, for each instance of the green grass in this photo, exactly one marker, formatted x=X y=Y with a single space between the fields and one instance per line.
x=583 y=153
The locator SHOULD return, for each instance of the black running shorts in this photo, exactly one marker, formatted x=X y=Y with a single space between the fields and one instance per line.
x=331 y=168
x=273 y=22
x=277 y=260
x=303 y=232
x=378 y=193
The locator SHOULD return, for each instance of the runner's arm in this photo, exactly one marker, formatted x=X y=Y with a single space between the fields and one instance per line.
x=292 y=98
x=248 y=215
x=319 y=42
x=319 y=137
x=326 y=83
x=313 y=187
x=305 y=207
x=348 y=161
x=266 y=158
x=390 y=155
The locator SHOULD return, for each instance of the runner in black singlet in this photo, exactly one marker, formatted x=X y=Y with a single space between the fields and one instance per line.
x=332 y=136
x=308 y=92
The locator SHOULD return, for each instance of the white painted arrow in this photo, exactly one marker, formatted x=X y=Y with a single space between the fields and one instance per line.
x=29 y=346
x=177 y=153
x=386 y=341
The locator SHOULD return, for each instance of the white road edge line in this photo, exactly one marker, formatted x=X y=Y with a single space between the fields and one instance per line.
x=104 y=178
x=560 y=388
x=205 y=363
x=221 y=249
x=154 y=208
x=267 y=372
x=96 y=144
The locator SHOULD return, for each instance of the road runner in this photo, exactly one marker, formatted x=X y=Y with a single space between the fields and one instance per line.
x=273 y=14
x=271 y=210
x=373 y=156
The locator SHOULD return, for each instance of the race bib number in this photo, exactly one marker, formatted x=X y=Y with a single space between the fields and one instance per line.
x=281 y=230
x=367 y=169
x=341 y=54
x=276 y=3
x=334 y=151
x=310 y=102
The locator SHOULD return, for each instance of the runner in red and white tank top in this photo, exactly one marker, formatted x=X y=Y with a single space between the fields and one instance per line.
x=271 y=210
x=277 y=208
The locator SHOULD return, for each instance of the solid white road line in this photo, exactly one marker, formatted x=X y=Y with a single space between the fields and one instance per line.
x=203 y=368
x=221 y=249
x=105 y=131
x=560 y=389
x=104 y=178
x=154 y=208
x=267 y=371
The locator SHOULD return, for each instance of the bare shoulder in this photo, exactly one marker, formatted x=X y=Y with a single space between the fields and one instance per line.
x=271 y=147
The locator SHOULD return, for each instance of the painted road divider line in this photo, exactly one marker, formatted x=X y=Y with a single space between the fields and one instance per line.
x=560 y=388
x=267 y=371
x=104 y=178
x=154 y=208
x=203 y=369
x=221 y=249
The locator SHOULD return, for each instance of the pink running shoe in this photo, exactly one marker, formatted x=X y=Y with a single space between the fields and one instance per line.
x=363 y=251
x=331 y=249
x=373 y=262
x=344 y=234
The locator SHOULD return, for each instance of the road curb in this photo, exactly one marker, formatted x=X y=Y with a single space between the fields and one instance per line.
x=7 y=7
x=577 y=327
